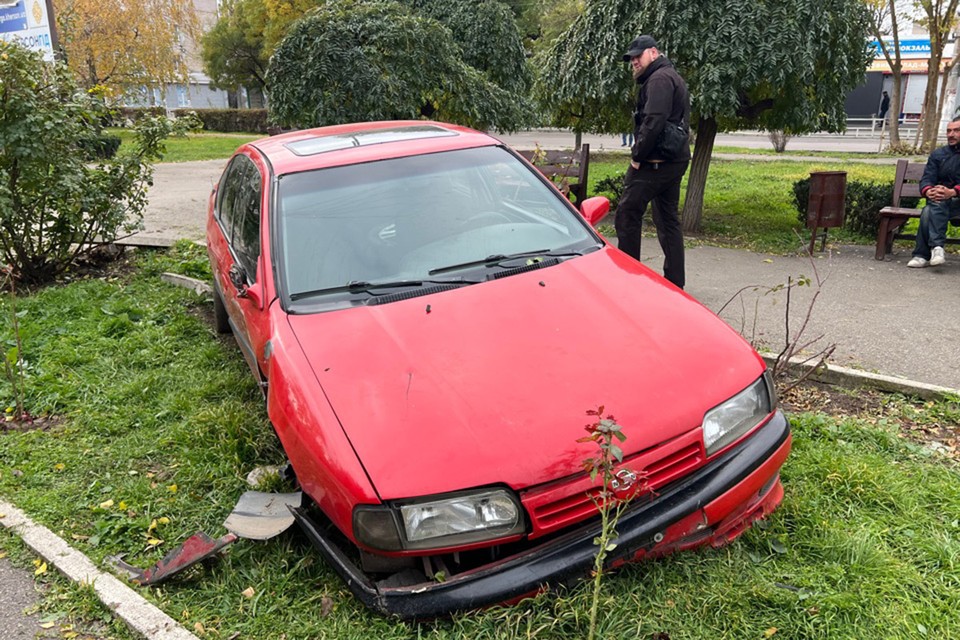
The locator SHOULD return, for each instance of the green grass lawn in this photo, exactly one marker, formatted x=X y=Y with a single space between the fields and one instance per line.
x=196 y=146
x=750 y=204
x=158 y=422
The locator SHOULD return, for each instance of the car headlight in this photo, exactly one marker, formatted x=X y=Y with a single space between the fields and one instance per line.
x=438 y=522
x=728 y=421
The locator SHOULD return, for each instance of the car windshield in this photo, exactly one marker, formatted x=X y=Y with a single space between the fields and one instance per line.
x=419 y=218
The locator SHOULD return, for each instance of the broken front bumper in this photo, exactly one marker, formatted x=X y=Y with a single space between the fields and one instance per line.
x=713 y=505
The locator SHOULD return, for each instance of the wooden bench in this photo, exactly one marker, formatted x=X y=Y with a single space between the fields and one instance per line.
x=906 y=184
x=568 y=169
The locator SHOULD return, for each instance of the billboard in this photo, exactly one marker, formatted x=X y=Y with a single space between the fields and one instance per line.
x=918 y=48
x=29 y=23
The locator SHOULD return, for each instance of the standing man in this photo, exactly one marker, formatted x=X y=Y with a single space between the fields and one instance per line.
x=940 y=185
x=659 y=157
x=884 y=105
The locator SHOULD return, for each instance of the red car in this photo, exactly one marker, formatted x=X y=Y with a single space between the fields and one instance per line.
x=430 y=320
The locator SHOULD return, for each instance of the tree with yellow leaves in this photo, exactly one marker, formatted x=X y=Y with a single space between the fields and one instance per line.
x=124 y=45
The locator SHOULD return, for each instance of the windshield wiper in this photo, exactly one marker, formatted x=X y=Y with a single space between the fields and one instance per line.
x=362 y=286
x=497 y=259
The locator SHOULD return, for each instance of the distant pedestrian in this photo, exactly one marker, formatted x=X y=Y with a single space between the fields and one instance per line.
x=939 y=185
x=658 y=157
x=884 y=106
x=624 y=137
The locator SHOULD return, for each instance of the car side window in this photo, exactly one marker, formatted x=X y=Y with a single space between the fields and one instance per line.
x=246 y=218
x=227 y=196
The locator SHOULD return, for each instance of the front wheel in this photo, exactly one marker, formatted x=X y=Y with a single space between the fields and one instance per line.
x=221 y=321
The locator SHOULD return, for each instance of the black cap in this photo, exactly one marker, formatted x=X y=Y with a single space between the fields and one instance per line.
x=638 y=46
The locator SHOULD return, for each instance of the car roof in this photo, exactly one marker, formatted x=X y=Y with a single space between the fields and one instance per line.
x=364 y=142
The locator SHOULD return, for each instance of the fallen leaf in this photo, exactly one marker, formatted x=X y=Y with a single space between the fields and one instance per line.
x=154 y=541
x=326 y=606
x=198 y=627
x=59 y=466
x=172 y=488
x=42 y=568
x=122 y=506
x=106 y=504
x=768 y=260
x=769 y=633
x=3 y=554
x=47 y=625
x=163 y=520
x=69 y=634
x=248 y=592
x=153 y=525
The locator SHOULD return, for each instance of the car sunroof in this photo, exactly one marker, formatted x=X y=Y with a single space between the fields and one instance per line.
x=323 y=144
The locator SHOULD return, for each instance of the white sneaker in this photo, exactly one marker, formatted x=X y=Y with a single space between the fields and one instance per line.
x=918 y=262
x=936 y=257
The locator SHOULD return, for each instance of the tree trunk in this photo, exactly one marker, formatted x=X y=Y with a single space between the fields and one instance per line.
x=931 y=120
x=578 y=140
x=697 y=180
x=893 y=114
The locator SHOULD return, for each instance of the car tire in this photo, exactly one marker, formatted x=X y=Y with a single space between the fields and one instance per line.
x=221 y=321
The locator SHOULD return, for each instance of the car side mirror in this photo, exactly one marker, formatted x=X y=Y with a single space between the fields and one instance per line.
x=239 y=278
x=593 y=209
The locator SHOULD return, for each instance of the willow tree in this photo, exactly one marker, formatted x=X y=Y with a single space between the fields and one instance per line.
x=124 y=45
x=763 y=64
x=488 y=35
x=356 y=60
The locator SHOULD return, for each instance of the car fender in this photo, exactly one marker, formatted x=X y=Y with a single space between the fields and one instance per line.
x=326 y=465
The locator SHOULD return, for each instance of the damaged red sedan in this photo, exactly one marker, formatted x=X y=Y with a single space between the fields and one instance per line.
x=430 y=320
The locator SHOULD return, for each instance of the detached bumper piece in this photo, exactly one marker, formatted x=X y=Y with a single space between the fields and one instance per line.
x=712 y=506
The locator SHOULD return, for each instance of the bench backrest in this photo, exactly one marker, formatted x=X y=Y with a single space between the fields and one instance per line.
x=906 y=183
x=568 y=168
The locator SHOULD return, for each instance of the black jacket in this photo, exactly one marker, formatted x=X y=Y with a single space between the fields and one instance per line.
x=663 y=97
x=943 y=168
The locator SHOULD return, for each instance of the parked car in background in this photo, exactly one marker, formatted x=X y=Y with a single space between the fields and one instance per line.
x=430 y=321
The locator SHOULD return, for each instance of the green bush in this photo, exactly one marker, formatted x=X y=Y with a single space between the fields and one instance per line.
x=861 y=207
x=102 y=146
x=55 y=203
x=123 y=116
x=612 y=187
x=229 y=120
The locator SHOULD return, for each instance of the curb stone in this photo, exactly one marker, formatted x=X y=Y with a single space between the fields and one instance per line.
x=853 y=378
x=140 y=616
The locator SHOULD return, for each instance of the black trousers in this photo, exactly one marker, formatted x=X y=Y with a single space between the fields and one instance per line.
x=660 y=186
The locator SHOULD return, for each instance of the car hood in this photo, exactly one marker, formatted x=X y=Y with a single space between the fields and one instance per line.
x=491 y=383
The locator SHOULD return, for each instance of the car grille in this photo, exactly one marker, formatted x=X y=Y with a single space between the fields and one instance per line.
x=564 y=503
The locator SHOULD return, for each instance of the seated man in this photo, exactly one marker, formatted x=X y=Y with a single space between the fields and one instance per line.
x=940 y=185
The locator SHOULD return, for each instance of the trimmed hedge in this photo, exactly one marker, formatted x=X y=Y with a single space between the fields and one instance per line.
x=121 y=115
x=101 y=147
x=862 y=206
x=229 y=120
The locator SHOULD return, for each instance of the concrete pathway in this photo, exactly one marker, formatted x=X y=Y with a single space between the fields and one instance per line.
x=18 y=601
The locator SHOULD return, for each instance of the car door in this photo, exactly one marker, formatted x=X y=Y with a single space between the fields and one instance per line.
x=239 y=270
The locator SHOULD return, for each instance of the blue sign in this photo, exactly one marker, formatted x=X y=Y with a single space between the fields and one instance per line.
x=13 y=18
x=908 y=48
